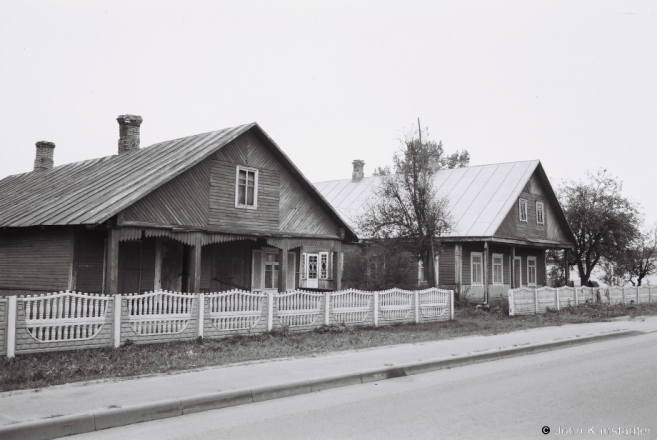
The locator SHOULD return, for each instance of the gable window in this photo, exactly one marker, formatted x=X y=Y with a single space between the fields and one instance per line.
x=531 y=271
x=540 y=214
x=522 y=210
x=476 y=262
x=246 y=188
x=498 y=268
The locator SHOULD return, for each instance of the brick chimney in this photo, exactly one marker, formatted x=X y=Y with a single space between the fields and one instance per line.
x=44 y=154
x=358 y=173
x=129 y=133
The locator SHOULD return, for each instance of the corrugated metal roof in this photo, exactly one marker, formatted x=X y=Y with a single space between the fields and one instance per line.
x=92 y=191
x=479 y=196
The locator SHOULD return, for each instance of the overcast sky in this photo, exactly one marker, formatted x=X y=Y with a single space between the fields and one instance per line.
x=571 y=83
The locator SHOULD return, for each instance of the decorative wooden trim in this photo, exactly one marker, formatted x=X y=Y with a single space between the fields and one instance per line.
x=542 y=210
x=522 y=203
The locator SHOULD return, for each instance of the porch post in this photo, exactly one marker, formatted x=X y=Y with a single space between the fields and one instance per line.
x=545 y=267
x=73 y=271
x=566 y=258
x=485 y=272
x=282 y=269
x=513 y=267
x=112 y=277
x=457 y=267
x=158 y=264
x=195 y=267
x=337 y=267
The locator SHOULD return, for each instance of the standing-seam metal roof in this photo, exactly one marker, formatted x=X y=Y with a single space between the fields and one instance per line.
x=479 y=197
x=92 y=191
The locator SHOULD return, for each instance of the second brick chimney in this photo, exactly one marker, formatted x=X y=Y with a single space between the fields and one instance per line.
x=129 y=133
x=44 y=156
x=358 y=173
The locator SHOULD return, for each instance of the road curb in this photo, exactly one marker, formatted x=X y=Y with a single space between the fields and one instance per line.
x=55 y=427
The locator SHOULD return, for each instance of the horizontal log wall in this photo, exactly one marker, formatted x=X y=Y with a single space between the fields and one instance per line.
x=35 y=259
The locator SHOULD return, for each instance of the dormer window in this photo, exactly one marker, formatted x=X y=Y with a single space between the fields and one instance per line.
x=522 y=210
x=540 y=214
x=246 y=188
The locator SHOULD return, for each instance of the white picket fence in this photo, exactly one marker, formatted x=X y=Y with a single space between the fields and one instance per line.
x=70 y=320
x=529 y=301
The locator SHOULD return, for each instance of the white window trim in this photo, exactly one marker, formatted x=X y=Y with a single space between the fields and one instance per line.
x=481 y=255
x=535 y=271
x=520 y=210
x=239 y=168
x=542 y=222
x=501 y=257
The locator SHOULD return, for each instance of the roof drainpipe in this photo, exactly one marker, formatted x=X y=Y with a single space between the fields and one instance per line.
x=129 y=133
x=44 y=156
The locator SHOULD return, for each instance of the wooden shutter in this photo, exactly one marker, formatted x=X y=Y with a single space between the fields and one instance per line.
x=256 y=271
x=304 y=267
x=291 y=268
x=330 y=265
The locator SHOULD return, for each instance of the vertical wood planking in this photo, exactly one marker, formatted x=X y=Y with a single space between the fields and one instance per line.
x=112 y=277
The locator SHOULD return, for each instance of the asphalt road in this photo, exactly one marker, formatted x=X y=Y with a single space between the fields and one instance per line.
x=577 y=392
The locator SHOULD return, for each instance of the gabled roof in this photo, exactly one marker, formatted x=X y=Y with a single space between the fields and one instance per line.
x=479 y=197
x=92 y=191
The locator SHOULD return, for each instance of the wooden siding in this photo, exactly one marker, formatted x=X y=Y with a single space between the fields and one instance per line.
x=226 y=266
x=223 y=212
x=90 y=261
x=446 y=274
x=299 y=213
x=183 y=201
x=512 y=227
x=35 y=259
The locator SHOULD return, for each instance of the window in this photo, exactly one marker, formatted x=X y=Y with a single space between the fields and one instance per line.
x=476 y=262
x=246 y=188
x=531 y=271
x=498 y=269
x=271 y=270
x=522 y=210
x=323 y=265
x=540 y=216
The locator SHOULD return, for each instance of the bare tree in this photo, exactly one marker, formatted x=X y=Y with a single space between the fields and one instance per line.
x=604 y=222
x=406 y=207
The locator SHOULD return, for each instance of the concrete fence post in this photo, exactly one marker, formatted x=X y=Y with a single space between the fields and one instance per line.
x=327 y=305
x=116 y=322
x=416 y=300
x=451 y=305
x=535 y=301
x=575 y=296
x=637 y=295
x=557 y=296
x=270 y=311
x=511 y=304
x=201 y=314
x=12 y=311
x=623 y=295
x=649 y=294
x=375 y=311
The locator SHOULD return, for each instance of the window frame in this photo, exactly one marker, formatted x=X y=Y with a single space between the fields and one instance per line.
x=481 y=268
x=521 y=203
x=529 y=274
x=320 y=275
x=542 y=210
x=275 y=268
x=248 y=170
x=501 y=257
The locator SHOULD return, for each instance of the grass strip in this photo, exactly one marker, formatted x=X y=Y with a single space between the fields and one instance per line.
x=46 y=369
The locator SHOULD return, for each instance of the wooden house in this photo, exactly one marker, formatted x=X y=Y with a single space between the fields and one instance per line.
x=505 y=218
x=210 y=212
